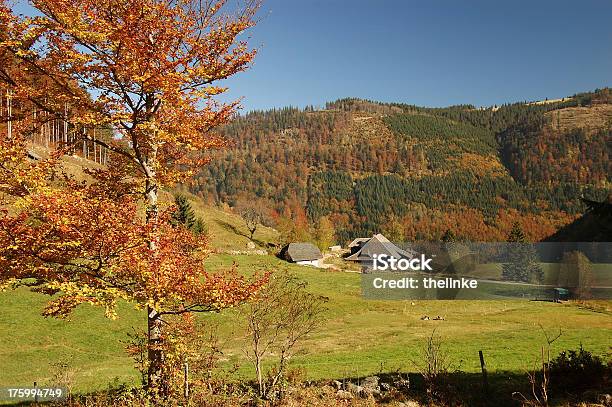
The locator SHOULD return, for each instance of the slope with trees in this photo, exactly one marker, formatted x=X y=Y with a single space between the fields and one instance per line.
x=363 y=163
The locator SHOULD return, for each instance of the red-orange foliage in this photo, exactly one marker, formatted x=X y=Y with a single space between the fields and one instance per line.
x=86 y=242
x=470 y=224
x=148 y=70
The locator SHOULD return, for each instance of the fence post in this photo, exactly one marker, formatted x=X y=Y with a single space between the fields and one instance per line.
x=483 y=367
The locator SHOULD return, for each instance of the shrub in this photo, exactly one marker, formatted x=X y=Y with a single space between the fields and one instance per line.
x=577 y=370
x=281 y=316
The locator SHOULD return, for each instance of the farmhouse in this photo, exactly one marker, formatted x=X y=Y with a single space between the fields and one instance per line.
x=363 y=249
x=305 y=254
x=356 y=244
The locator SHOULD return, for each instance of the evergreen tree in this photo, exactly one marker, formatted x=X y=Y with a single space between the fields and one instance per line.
x=522 y=259
x=441 y=160
x=516 y=235
x=448 y=236
x=199 y=227
x=184 y=215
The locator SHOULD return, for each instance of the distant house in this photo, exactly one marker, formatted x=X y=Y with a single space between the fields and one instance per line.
x=377 y=244
x=305 y=254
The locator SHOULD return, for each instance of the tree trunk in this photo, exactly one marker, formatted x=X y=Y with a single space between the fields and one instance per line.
x=155 y=377
x=151 y=196
x=257 y=355
x=260 y=382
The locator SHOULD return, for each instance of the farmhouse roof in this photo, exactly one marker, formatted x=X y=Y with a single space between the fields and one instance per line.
x=358 y=242
x=302 y=252
x=379 y=244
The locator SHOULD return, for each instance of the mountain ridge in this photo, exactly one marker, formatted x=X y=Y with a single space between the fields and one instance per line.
x=398 y=163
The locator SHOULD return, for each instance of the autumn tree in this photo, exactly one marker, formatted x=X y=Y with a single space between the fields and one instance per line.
x=576 y=273
x=393 y=229
x=324 y=233
x=254 y=213
x=292 y=225
x=148 y=69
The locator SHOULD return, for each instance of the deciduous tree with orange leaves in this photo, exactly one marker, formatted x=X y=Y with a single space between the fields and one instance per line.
x=149 y=70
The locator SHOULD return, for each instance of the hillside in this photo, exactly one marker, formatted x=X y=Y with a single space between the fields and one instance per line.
x=359 y=337
x=226 y=230
x=416 y=172
x=595 y=225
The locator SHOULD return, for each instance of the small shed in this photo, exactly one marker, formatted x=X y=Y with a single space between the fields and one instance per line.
x=305 y=254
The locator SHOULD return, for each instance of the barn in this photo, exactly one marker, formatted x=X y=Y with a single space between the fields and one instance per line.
x=305 y=254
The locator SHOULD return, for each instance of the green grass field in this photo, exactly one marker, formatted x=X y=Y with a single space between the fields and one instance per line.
x=359 y=336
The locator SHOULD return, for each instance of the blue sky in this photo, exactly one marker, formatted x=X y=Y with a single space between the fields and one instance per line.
x=432 y=53
x=427 y=52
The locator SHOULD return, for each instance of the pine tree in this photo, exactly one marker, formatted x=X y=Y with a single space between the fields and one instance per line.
x=516 y=235
x=184 y=214
x=448 y=236
x=523 y=260
x=199 y=227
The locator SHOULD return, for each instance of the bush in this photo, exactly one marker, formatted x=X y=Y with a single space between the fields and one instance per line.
x=577 y=370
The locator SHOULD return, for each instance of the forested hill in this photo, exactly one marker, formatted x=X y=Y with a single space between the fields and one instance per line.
x=415 y=172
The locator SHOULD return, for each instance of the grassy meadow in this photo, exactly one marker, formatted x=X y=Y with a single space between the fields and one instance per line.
x=359 y=336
